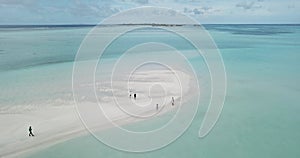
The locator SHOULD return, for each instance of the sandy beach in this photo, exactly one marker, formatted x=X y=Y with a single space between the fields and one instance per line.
x=55 y=124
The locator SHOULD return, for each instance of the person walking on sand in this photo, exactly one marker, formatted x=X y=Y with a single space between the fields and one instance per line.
x=156 y=107
x=173 y=101
x=134 y=95
x=30 y=132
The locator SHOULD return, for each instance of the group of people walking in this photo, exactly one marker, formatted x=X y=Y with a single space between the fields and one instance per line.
x=157 y=107
x=130 y=95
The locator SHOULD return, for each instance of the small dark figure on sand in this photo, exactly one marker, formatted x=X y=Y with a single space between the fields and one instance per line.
x=30 y=132
x=134 y=96
x=130 y=94
x=173 y=101
x=156 y=107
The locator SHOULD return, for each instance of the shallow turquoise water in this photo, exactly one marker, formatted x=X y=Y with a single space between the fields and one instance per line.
x=261 y=112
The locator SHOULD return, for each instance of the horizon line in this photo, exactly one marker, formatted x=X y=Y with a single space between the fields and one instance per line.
x=62 y=25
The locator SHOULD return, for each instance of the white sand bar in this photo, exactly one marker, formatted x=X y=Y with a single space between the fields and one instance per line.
x=54 y=124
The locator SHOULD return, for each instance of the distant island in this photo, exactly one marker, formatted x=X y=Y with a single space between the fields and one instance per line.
x=93 y=25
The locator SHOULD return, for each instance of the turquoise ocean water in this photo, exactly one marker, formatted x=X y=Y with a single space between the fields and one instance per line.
x=261 y=112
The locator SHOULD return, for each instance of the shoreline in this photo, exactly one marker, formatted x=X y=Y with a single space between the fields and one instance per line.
x=70 y=126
